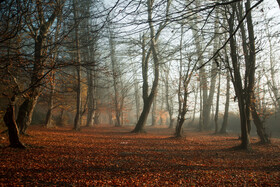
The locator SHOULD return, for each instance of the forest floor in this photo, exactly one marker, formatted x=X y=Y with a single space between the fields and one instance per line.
x=109 y=156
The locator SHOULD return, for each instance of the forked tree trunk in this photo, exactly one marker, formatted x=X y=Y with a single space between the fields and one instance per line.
x=9 y=119
x=148 y=98
x=181 y=115
x=237 y=81
x=251 y=85
x=27 y=108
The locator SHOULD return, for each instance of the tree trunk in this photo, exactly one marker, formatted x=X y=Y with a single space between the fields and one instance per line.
x=251 y=85
x=136 y=93
x=278 y=1
x=90 y=96
x=225 y=118
x=182 y=113
x=27 y=107
x=116 y=74
x=9 y=119
x=259 y=124
x=217 y=105
x=237 y=81
x=154 y=111
x=167 y=98
x=77 y=120
x=26 y=112
x=48 y=122
x=148 y=99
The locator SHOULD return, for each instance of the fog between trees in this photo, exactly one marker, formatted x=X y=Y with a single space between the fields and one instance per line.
x=175 y=64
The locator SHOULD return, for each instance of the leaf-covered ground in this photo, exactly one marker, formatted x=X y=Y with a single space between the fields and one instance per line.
x=111 y=156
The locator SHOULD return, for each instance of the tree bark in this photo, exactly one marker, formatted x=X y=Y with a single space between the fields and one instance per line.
x=252 y=59
x=217 y=105
x=116 y=74
x=167 y=98
x=278 y=1
x=27 y=107
x=77 y=120
x=154 y=111
x=9 y=120
x=237 y=82
x=225 y=118
x=26 y=112
x=90 y=104
x=148 y=99
x=264 y=138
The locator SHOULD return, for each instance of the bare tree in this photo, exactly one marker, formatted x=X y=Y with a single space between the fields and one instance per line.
x=148 y=98
x=39 y=34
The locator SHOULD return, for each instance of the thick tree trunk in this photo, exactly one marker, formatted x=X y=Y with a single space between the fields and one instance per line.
x=9 y=119
x=26 y=112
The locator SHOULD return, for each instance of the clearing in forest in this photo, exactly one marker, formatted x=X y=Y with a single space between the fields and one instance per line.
x=113 y=156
